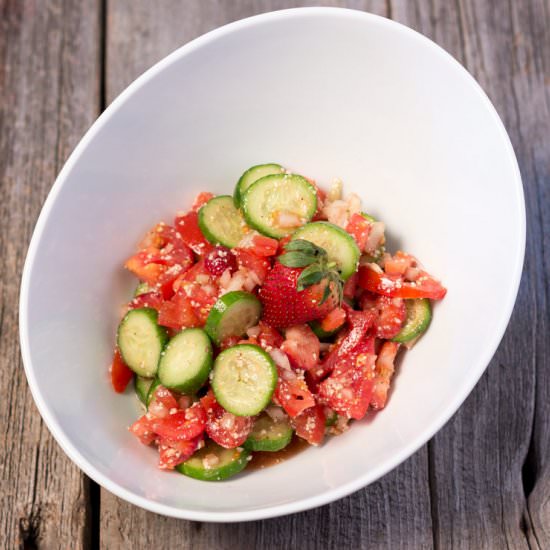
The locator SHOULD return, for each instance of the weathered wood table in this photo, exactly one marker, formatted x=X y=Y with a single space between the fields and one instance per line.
x=482 y=482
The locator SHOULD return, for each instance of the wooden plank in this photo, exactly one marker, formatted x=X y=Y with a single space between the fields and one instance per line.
x=49 y=96
x=479 y=473
x=394 y=512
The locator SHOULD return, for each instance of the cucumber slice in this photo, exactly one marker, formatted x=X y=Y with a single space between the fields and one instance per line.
x=142 y=387
x=419 y=315
x=268 y=435
x=252 y=175
x=221 y=222
x=214 y=463
x=244 y=379
x=142 y=288
x=151 y=392
x=284 y=193
x=340 y=245
x=186 y=361
x=232 y=315
x=141 y=341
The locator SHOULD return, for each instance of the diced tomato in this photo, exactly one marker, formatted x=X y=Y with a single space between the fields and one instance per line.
x=201 y=200
x=174 y=452
x=121 y=374
x=162 y=403
x=398 y=263
x=149 y=299
x=350 y=287
x=197 y=274
x=246 y=258
x=178 y=313
x=269 y=337
x=292 y=393
x=263 y=246
x=391 y=313
x=223 y=427
x=359 y=228
x=142 y=429
x=335 y=319
x=178 y=424
x=139 y=264
x=200 y=300
x=383 y=374
x=310 y=424
x=163 y=257
x=359 y=323
x=188 y=227
x=394 y=286
x=348 y=389
x=302 y=347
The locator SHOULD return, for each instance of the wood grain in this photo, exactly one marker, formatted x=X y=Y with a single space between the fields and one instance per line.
x=49 y=73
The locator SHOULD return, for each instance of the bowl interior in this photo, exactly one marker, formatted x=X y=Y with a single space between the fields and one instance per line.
x=327 y=93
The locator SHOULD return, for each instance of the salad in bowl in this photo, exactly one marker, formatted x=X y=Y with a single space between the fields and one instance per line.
x=272 y=315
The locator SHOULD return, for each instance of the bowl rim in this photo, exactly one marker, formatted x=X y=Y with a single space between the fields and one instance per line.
x=427 y=433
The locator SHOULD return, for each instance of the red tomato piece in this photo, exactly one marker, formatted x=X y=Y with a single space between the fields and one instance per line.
x=310 y=424
x=269 y=337
x=121 y=374
x=200 y=300
x=302 y=347
x=350 y=287
x=246 y=258
x=142 y=429
x=394 y=286
x=263 y=246
x=223 y=427
x=174 y=452
x=399 y=263
x=201 y=200
x=359 y=228
x=348 y=389
x=178 y=424
x=292 y=392
x=335 y=319
x=188 y=227
x=391 y=313
x=385 y=367
x=139 y=264
x=178 y=312
x=162 y=403
x=149 y=299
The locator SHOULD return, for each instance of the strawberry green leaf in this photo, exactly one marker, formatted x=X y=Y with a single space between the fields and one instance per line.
x=307 y=247
x=309 y=276
x=296 y=259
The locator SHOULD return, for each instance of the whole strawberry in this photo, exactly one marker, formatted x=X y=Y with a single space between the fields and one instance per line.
x=302 y=286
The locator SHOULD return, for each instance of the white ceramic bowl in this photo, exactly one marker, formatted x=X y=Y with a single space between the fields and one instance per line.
x=329 y=93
